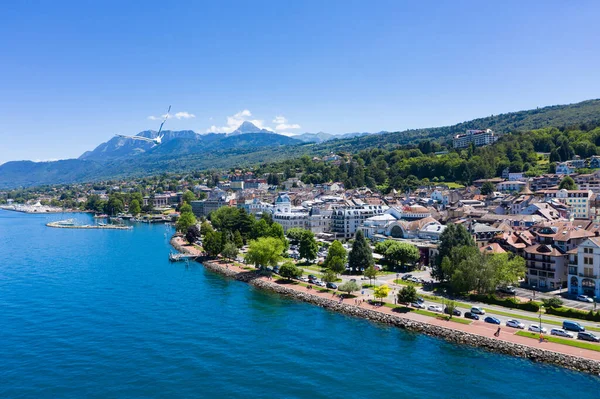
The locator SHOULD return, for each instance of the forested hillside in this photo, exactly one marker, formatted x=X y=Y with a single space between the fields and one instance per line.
x=533 y=152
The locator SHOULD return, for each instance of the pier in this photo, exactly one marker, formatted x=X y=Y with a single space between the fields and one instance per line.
x=181 y=257
x=70 y=224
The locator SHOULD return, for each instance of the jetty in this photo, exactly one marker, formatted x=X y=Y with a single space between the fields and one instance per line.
x=181 y=257
x=70 y=224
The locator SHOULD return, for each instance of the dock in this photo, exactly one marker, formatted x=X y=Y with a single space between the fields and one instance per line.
x=181 y=257
x=69 y=224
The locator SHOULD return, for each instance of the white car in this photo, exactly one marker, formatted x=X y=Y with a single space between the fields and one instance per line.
x=302 y=278
x=515 y=324
x=535 y=328
x=320 y=283
x=418 y=305
x=435 y=308
x=584 y=298
x=477 y=310
x=561 y=333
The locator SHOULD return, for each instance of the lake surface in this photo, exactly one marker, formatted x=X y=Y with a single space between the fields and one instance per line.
x=103 y=314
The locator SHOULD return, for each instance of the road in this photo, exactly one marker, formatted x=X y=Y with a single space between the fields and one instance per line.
x=493 y=310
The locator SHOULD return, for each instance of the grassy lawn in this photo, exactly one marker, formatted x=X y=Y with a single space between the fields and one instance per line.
x=406 y=309
x=404 y=282
x=452 y=185
x=563 y=341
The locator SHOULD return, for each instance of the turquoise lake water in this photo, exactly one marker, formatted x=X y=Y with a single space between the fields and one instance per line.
x=103 y=314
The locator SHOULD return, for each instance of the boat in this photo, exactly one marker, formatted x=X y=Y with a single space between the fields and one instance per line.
x=102 y=216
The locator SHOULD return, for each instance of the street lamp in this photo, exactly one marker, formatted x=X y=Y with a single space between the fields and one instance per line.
x=559 y=286
x=533 y=290
x=397 y=276
x=541 y=323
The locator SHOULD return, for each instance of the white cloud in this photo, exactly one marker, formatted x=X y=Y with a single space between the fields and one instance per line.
x=184 y=115
x=283 y=125
x=234 y=121
x=178 y=115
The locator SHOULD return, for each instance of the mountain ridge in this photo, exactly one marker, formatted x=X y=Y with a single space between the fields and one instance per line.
x=190 y=150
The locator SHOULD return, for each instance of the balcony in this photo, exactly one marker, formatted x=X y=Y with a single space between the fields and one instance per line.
x=548 y=269
x=587 y=275
x=573 y=271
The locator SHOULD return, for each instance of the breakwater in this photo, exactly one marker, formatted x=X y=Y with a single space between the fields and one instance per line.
x=62 y=225
x=448 y=334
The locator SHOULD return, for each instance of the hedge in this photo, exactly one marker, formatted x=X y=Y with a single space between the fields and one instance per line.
x=574 y=313
x=492 y=299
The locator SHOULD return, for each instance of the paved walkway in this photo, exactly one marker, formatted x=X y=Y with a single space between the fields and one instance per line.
x=476 y=327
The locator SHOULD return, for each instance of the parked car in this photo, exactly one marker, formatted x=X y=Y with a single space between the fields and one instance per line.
x=434 y=308
x=537 y=329
x=588 y=336
x=319 y=283
x=477 y=310
x=515 y=324
x=302 y=278
x=573 y=326
x=418 y=305
x=472 y=316
x=561 y=333
x=332 y=286
x=584 y=298
x=455 y=312
x=508 y=290
x=492 y=320
x=276 y=270
x=312 y=277
x=406 y=276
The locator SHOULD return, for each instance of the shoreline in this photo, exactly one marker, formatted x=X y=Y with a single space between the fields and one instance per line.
x=413 y=323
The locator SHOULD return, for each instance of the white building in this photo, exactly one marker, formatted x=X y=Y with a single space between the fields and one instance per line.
x=511 y=186
x=477 y=137
x=564 y=168
x=289 y=217
x=584 y=268
x=578 y=200
x=345 y=221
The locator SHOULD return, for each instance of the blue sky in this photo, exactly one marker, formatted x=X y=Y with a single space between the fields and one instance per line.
x=72 y=74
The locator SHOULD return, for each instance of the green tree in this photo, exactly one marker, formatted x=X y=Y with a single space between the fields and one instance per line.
x=349 y=287
x=487 y=188
x=360 y=256
x=454 y=236
x=329 y=276
x=114 y=205
x=308 y=246
x=552 y=302
x=205 y=227
x=336 y=250
x=381 y=292
x=401 y=253
x=450 y=307
x=407 y=294
x=212 y=243
x=371 y=273
x=134 y=207
x=289 y=270
x=508 y=269
x=567 y=183
x=237 y=239
x=265 y=251
x=185 y=220
x=295 y=234
x=336 y=265
x=185 y=208
x=188 y=196
x=230 y=251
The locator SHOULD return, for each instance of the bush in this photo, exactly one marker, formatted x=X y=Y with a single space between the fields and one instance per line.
x=492 y=299
x=569 y=313
x=552 y=302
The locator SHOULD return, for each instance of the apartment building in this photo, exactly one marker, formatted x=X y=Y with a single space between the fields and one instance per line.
x=477 y=137
x=346 y=220
x=584 y=268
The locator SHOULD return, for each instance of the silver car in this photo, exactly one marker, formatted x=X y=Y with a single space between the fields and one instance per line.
x=515 y=324
x=535 y=328
x=561 y=333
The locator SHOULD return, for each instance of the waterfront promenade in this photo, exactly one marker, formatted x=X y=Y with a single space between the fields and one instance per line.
x=478 y=328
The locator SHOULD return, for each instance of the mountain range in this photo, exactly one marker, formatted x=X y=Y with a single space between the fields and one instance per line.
x=122 y=157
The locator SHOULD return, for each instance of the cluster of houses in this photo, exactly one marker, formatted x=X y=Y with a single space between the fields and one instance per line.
x=555 y=230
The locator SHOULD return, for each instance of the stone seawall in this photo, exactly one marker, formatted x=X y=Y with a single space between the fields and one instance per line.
x=448 y=334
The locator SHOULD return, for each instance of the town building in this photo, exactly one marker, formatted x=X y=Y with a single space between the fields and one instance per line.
x=346 y=220
x=477 y=137
x=584 y=268
x=578 y=200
